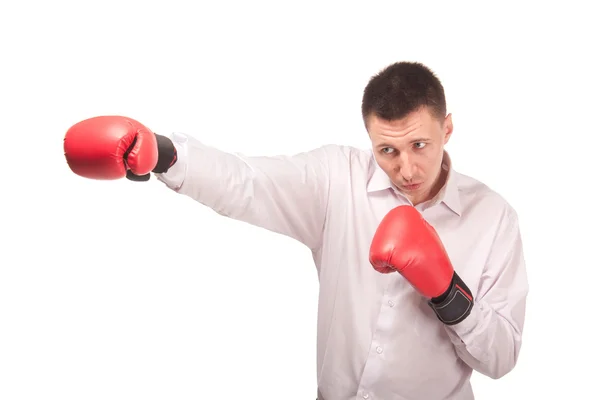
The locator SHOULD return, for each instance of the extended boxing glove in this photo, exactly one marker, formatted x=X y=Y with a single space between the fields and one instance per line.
x=113 y=147
x=406 y=243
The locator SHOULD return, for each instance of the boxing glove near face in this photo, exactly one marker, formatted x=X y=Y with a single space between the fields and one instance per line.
x=405 y=243
x=107 y=147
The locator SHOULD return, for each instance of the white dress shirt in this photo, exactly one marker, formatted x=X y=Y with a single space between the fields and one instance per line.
x=377 y=337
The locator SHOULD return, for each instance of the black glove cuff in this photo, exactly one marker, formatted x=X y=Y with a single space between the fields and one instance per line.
x=455 y=305
x=167 y=154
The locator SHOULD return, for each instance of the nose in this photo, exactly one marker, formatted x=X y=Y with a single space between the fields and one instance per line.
x=407 y=167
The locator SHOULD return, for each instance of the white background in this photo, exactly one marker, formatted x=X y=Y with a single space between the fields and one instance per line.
x=122 y=290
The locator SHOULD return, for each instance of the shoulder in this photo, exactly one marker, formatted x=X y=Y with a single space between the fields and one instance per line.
x=481 y=200
x=346 y=152
x=347 y=159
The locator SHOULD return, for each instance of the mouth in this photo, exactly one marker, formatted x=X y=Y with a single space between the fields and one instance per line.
x=411 y=188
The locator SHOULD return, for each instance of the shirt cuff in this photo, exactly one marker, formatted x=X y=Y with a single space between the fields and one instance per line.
x=175 y=176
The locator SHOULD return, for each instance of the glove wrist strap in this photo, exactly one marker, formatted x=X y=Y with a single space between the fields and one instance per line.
x=167 y=154
x=454 y=306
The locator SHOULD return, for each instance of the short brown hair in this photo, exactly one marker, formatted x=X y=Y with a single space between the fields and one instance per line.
x=402 y=88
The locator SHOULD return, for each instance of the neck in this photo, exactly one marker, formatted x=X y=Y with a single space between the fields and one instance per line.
x=439 y=183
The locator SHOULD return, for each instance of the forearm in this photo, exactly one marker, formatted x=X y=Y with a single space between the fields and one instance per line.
x=214 y=178
x=487 y=341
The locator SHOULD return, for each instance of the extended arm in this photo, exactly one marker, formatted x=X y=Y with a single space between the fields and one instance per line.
x=284 y=194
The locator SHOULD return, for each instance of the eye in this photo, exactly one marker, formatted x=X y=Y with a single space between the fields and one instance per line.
x=387 y=150
x=420 y=145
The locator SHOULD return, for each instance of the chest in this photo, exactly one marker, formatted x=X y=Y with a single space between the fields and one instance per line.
x=467 y=238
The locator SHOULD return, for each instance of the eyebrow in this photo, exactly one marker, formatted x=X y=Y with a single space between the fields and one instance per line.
x=381 y=145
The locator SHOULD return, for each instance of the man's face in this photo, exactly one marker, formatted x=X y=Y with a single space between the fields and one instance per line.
x=410 y=151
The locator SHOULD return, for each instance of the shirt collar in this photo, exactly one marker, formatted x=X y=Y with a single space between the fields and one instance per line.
x=448 y=194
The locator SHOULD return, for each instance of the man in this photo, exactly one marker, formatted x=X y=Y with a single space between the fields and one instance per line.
x=421 y=269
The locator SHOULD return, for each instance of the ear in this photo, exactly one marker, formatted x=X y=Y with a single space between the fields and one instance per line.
x=448 y=128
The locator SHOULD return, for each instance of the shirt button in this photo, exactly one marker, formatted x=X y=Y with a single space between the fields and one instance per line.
x=366 y=396
x=379 y=349
x=391 y=303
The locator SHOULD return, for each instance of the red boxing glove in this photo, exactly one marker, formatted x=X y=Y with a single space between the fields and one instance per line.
x=107 y=147
x=406 y=243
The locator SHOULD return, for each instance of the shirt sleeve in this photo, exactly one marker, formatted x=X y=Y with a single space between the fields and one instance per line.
x=285 y=194
x=489 y=340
